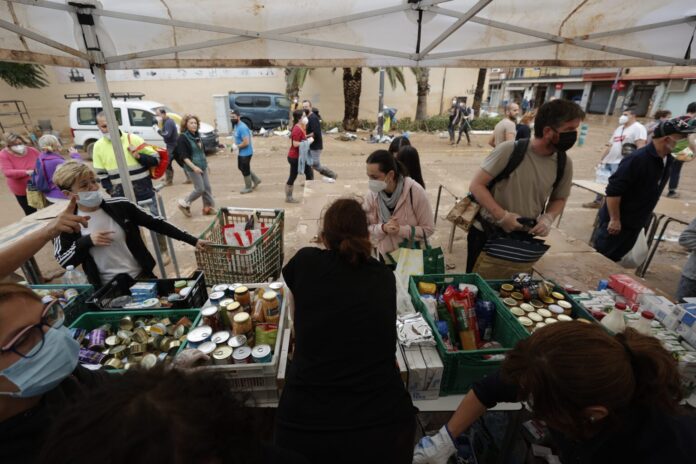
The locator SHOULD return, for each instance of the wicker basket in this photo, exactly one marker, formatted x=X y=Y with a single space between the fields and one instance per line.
x=259 y=262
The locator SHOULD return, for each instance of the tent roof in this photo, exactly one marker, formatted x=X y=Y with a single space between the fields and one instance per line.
x=249 y=33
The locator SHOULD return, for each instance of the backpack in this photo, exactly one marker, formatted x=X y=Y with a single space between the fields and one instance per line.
x=39 y=178
x=155 y=171
x=516 y=158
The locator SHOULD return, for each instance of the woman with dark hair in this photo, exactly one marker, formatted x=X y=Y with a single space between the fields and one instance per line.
x=189 y=150
x=297 y=137
x=397 y=143
x=605 y=398
x=396 y=204
x=408 y=156
x=343 y=399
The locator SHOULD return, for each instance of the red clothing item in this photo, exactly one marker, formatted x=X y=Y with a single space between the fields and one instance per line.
x=298 y=134
x=15 y=168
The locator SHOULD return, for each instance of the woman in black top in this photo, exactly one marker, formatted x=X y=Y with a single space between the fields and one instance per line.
x=606 y=399
x=408 y=156
x=344 y=400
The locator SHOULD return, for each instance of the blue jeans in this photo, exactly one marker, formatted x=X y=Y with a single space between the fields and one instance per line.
x=686 y=289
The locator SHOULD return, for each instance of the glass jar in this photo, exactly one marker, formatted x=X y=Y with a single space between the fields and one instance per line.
x=242 y=295
x=241 y=324
x=271 y=307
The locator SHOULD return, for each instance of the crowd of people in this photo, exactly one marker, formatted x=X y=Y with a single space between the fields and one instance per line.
x=347 y=403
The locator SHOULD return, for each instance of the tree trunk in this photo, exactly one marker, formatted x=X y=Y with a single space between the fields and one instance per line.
x=292 y=90
x=423 y=89
x=352 y=88
x=478 y=94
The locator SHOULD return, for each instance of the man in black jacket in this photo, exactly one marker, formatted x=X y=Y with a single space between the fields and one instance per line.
x=635 y=188
x=169 y=133
x=316 y=147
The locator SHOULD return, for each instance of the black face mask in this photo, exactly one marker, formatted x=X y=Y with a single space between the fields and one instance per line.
x=306 y=112
x=234 y=122
x=566 y=140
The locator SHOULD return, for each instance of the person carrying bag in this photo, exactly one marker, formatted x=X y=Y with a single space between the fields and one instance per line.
x=417 y=258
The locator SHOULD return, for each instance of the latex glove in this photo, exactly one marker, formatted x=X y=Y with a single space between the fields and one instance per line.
x=509 y=222
x=190 y=358
x=155 y=127
x=310 y=140
x=435 y=449
x=543 y=226
x=235 y=147
x=614 y=227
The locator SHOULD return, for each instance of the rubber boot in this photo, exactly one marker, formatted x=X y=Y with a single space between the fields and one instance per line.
x=255 y=179
x=288 y=195
x=328 y=173
x=247 y=185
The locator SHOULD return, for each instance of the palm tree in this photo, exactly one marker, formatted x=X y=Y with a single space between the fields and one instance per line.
x=352 y=88
x=422 y=75
x=478 y=93
x=19 y=75
x=294 y=81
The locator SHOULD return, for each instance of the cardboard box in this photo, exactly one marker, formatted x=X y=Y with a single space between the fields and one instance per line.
x=434 y=370
x=417 y=372
x=403 y=370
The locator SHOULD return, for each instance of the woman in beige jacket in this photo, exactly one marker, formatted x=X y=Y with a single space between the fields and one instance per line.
x=395 y=204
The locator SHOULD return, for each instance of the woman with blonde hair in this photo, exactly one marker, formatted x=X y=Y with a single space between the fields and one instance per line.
x=17 y=161
x=189 y=150
x=49 y=161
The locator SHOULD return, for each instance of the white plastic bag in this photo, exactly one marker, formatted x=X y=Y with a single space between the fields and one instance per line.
x=602 y=174
x=638 y=253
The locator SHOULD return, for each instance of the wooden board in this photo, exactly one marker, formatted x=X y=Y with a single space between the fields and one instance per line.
x=682 y=211
x=590 y=185
x=561 y=242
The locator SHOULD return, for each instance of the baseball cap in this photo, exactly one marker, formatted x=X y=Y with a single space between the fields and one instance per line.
x=675 y=126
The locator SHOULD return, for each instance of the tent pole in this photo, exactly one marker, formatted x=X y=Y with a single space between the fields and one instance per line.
x=380 y=109
x=108 y=107
x=613 y=91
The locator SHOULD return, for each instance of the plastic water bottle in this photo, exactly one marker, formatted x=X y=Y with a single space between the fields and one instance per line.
x=74 y=276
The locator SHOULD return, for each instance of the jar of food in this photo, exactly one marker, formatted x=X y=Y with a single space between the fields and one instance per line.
x=210 y=316
x=271 y=307
x=278 y=287
x=232 y=310
x=241 y=324
x=242 y=295
x=506 y=290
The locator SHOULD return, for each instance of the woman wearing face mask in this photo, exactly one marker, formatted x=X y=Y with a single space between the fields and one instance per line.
x=17 y=162
x=297 y=137
x=605 y=398
x=396 y=204
x=39 y=373
x=111 y=244
x=189 y=149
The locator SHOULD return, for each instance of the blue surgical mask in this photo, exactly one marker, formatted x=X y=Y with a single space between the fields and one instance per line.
x=89 y=199
x=48 y=366
x=376 y=186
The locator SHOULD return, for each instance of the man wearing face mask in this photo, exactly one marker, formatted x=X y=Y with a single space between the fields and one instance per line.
x=169 y=134
x=39 y=373
x=316 y=147
x=242 y=144
x=536 y=188
x=635 y=188
x=111 y=243
x=630 y=133
x=17 y=162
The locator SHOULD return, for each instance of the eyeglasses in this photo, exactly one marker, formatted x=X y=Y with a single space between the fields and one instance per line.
x=25 y=342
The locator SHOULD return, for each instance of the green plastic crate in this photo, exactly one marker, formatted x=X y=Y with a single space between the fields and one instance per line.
x=77 y=306
x=92 y=320
x=577 y=311
x=462 y=368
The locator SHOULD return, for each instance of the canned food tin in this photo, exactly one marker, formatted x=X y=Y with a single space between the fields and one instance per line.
x=262 y=354
x=517 y=311
x=184 y=322
x=114 y=363
x=206 y=347
x=555 y=309
x=526 y=322
x=564 y=304
x=70 y=293
x=537 y=304
x=535 y=317
x=158 y=329
x=173 y=345
x=210 y=315
x=220 y=337
x=199 y=335
x=527 y=308
x=137 y=348
x=539 y=325
x=510 y=302
x=220 y=288
x=550 y=320
x=149 y=361
x=237 y=341
x=223 y=355
x=90 y=357
x=506 y=290
x=119 y=351
x=548 y=300
x=242 y=355
x=545 y=313
x=112 y=340
x=97 y=339
x=557 y=295
x=178 y=331
x=564 y=318
x=216 y=297
x=140 y=335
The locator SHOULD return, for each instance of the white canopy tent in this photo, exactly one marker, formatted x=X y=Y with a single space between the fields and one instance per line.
x=122 y=34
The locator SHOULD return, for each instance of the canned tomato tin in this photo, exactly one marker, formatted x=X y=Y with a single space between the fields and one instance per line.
x=242 y=355
x=97 y=339
x=220 y=337
x=206 y=347
x=262 y=354
x=210 y=315
x=237 y=341
x=220 y=288
x=216 y=297
x=199 y=335
x=223 y=355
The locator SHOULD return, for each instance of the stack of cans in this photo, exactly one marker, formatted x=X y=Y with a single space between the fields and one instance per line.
x=134 y=341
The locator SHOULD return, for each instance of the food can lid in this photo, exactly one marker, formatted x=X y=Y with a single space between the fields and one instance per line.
x=527 y=307
x=222 y=352
x=220 y=287
x=241 y=317
x=565 y=304
x=242 y=352
x=209 y=311
x=555 y=309
x=535 y=317
x=261 y=351
x=517 y=311
x=207 y=347
x=550 y=320
x=525 y=321
x=237 y=341
x=216 y=295
x=220 y=337
x=275 y=285
x=564 y=318
x=200 y=333
x=149 y=361
x=558 y=295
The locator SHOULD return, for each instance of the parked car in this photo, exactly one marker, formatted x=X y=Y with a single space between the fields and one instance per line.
x=261 y=109
x=139 y=119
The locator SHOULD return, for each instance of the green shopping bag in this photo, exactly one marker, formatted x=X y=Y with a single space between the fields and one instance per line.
x=416 y=258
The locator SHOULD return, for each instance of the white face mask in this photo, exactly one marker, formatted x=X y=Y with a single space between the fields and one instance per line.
x=376 y=186
x=158 y=119
x=107 y=136
x=89 y=199
x=623 y=119
x=304 y=120
x=19 y=149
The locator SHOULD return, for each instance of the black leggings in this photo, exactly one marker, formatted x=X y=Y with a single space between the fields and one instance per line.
x=308 y=171
x=244 y=165
x=22 y=200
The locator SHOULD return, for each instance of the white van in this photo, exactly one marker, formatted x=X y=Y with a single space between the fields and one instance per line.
x=134 y=115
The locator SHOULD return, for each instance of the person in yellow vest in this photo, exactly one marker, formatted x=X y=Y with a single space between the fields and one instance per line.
x=139 y=164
